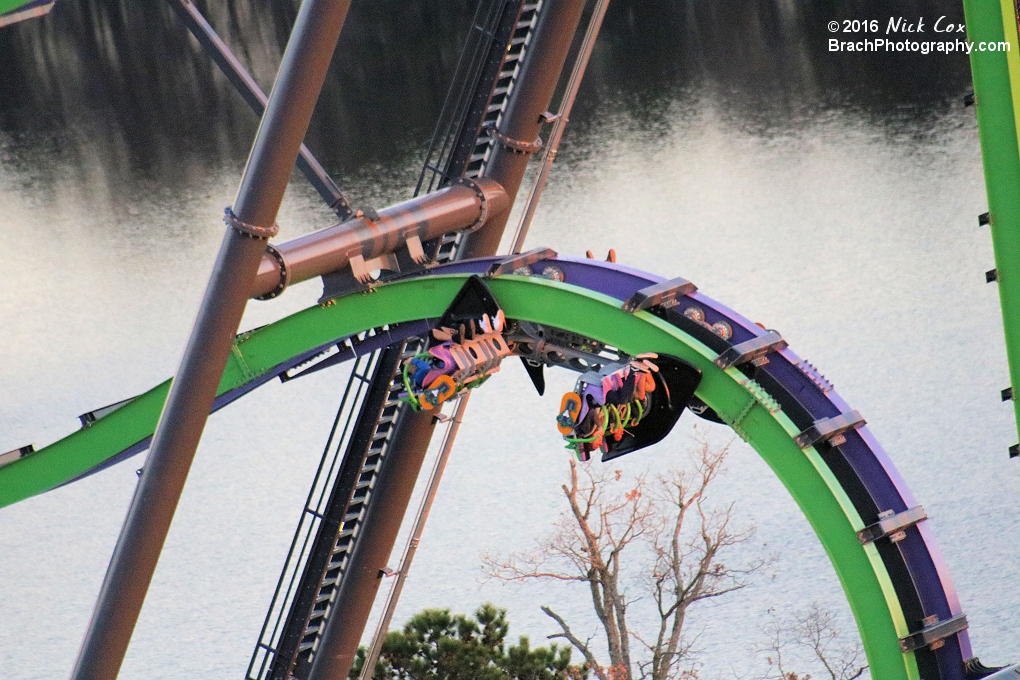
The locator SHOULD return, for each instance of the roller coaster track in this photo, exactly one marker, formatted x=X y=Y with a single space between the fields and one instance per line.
x=996 y=100
x=872 y=528
x=329 y=528
x=869 y=523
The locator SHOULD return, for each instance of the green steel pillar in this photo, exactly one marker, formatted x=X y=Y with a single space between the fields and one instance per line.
x=996 y=93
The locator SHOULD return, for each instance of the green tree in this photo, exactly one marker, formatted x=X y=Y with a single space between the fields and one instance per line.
x=438 y=645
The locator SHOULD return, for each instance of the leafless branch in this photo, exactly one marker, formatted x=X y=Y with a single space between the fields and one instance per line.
x=683 y=535
x=582 y=647
x=811 y=629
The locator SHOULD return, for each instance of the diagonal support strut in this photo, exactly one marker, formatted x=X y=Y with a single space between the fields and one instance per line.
x=256 y=99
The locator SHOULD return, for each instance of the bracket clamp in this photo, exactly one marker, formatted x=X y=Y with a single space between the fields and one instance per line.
x=484 y=214
x=362 y=268
x=753 y=350
x=515 y=145
x=660 y=294
x=514 y=262
x=88 y=419
x=284 y=274
x=249 y=230
x=16 y=454
x=415 y=249
x=934 y=633
x=830 y=430
x=893 y=525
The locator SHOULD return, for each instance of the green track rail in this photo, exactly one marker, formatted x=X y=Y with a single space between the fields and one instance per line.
x=997 y=99
x=12 y=5
x=740 y=402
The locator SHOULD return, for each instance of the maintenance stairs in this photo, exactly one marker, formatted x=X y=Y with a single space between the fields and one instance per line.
x=370 y=410
x=492 y=62
x=341 y=491
x=490 y=65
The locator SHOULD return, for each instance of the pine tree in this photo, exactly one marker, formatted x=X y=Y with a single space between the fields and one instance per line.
x=438 y=645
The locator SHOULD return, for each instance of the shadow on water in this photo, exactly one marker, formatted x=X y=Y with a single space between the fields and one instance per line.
x=122 y=84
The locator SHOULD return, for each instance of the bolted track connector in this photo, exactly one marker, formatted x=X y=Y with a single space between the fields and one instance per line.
x=1007 y=394
x=991 y=275
x=984 y=219
x=968 y=99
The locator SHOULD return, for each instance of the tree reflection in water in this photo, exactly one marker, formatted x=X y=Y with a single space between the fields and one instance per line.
x=125 y=81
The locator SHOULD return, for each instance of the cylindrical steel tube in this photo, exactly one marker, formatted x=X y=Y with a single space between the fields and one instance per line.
x=400 y=468
x=328 y=250
x=379 y=528
x=166 y=467
x=522 y=121
x=368 y=670
x=566 y=104
x=274 y=151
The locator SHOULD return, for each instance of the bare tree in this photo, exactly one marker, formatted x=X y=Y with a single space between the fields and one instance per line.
x=811 y=630
x=683 y=537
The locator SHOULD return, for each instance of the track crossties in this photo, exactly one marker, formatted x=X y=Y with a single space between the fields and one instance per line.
x=858 y=504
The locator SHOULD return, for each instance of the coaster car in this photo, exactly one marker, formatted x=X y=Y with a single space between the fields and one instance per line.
x=625 y=406
x=465 y=357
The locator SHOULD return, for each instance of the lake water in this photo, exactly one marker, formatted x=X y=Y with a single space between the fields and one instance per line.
x=830 y=197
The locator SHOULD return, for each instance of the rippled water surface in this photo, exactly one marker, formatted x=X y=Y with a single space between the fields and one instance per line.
x=832 y=199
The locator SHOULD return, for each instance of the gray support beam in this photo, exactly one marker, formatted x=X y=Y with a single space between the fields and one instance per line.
x=379 y=528
x=368 y=669
x=664 y=293
x=754 y=349
x=509 y=265
x=518 y=133
x=892 y=524
x=934 y=633
x=522 y=121
x=252 y=222
x=830 y=429
x=256 y=99
x=560 y=124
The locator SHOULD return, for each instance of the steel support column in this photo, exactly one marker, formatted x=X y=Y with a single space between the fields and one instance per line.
x=368 y=669
x=256 y=99
x=997 y=105
x=542 y=66
x=252 y=222
x=364 y=572
x=522 y=122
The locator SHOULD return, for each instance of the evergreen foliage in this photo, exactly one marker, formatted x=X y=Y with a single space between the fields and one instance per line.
x=438 y=645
